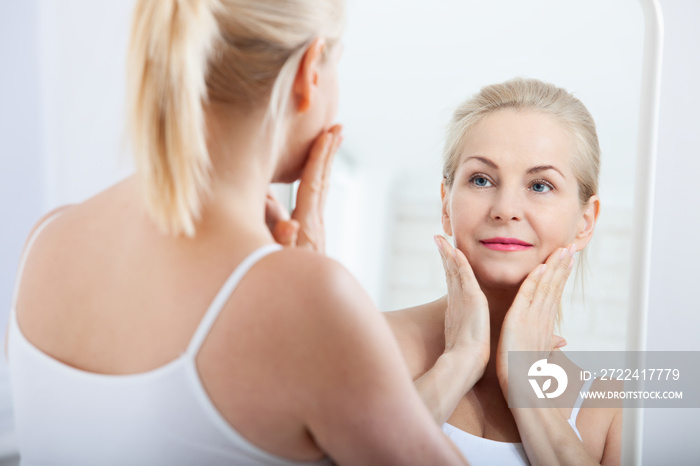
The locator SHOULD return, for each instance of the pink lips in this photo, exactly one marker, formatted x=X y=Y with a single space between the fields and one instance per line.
x=505 y=244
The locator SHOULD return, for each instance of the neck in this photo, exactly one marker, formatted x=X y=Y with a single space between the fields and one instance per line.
x=242 y=168
x=500 y=300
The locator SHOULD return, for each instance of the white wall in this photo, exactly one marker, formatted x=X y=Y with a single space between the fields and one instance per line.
x=22 y=191
x=671 y=435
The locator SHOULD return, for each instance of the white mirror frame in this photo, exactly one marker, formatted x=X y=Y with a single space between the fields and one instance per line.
x=647 y=137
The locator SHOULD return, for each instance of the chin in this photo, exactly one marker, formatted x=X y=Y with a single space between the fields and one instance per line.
x=288 y=174
x=500 y=277
x=290 y=167
x=286 y=177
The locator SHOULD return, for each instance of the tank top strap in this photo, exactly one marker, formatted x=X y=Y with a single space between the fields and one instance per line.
x=223 y=295
x=577 y=405
x=30 y=242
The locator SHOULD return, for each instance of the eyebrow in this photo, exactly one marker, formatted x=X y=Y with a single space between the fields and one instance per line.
x=541 y=168
x=482 y=160
x=536 y=169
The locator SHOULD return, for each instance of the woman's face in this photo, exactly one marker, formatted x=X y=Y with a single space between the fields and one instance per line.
x=514 y=198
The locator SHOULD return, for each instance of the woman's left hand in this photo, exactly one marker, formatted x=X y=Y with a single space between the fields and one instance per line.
x=305 y=227
x=529 y=323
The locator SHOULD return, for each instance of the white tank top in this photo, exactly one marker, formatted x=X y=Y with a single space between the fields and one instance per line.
x=480 y=451
x=67 y=416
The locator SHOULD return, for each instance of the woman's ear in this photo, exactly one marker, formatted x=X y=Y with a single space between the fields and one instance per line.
x=445 y=196
x=306 y=80
x=587 y=222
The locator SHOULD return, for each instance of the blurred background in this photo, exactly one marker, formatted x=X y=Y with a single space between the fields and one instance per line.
x=406 y=66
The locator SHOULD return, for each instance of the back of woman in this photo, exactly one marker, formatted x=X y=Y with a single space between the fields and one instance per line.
x=158 y=322
x=107 y=368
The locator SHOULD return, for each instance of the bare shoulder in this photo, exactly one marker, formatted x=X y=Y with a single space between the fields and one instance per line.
x=64 y=226
x=308 y=289
x=301 y=321
x=600 y=424
x=420 y=332
x=46 y=242
x=60 y=236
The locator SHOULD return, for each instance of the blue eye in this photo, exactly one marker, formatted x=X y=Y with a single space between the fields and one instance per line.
x=541 y=187
x=480 y=181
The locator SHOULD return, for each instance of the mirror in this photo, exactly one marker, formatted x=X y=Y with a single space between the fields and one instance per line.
x=407 y=65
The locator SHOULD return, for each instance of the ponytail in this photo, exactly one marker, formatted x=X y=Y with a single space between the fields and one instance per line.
x=170 y=44
x=185 y=53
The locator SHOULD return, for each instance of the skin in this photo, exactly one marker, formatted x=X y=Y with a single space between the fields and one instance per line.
x=514 y=180
x=104 y=291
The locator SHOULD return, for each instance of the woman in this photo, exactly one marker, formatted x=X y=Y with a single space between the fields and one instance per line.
x=519 y=190
x=158 y=323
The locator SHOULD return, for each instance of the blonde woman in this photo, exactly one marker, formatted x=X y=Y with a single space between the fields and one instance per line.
x=519 y=197
x=158 y=323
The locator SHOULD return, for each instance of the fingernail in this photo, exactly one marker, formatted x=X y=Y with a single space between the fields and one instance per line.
x=542 y=268
x=437 y=242
x=563 y=253
x=572 y=250
x=571 y=264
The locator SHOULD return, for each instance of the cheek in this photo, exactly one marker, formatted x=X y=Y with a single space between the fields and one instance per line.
x=467 y=212
x=332 y=99
x=555 y=228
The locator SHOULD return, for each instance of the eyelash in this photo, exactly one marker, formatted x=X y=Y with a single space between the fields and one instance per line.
x=480 y=175
x=534 y=182
x=544 y=182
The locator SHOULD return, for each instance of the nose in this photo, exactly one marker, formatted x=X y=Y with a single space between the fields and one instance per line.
x=507 y=205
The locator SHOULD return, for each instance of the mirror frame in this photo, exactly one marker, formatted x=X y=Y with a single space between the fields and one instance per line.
x=647 y=137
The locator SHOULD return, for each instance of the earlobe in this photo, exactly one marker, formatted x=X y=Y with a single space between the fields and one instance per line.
x=446 y=222
x=306 y=80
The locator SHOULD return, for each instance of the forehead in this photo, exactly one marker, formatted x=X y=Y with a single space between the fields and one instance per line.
x=520 y=138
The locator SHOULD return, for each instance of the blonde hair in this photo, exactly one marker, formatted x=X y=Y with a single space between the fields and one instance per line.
x=534 y=95
x=184 y=53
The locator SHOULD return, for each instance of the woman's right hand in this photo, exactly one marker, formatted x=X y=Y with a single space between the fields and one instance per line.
x=467 y=314
x=467 y=338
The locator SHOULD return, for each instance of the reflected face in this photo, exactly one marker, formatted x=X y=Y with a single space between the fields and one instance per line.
x=514 y=198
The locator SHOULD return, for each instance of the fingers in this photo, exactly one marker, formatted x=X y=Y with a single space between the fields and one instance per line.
x=337 y=132
x=540 y=294
x=315 y=178
x=285 y=232
x=554 y=280
x=460 y=276
x=313 y=190
x=450 y=266
x=466 y=274
x=467 y=316
x=558 y=342
x=526 y=293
